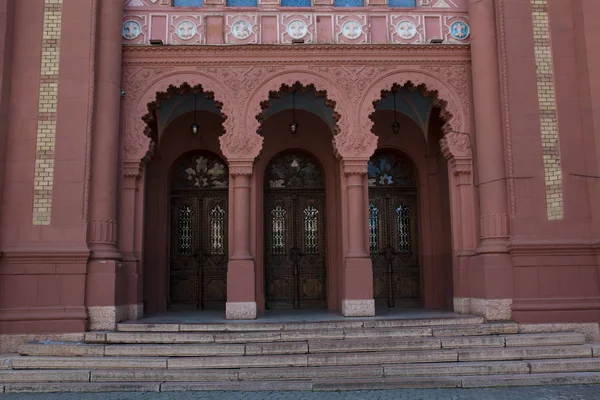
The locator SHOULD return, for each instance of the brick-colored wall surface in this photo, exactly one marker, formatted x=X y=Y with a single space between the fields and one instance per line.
x=48 y=102
x=547 y=104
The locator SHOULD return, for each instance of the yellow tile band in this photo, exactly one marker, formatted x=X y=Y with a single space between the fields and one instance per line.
x=47 y=106
x=547 y=104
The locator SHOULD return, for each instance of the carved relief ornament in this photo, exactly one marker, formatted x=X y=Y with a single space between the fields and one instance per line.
x=353 y=88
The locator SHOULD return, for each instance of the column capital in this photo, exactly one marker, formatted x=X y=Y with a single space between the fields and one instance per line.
x=132 y=168
x=355 y=166
x=241 y=167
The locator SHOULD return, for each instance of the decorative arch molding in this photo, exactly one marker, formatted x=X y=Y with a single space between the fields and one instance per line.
x=322 y=84
x=447 y=85
x=137 y=144
x=319 y=94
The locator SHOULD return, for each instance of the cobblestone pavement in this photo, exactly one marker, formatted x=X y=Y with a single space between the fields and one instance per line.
x=587 y=392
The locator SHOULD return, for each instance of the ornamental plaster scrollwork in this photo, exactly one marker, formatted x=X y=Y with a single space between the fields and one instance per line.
x=456 y=144
x=142 y=90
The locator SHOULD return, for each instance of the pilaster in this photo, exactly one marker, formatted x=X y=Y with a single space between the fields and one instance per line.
x=491 y=276
x=357 y=298
x=241 y=276
x=105 y=294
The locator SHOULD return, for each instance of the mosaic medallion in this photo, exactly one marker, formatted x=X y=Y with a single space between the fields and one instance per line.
x=406 y=29
x=351 y=29
x=297 y=29
x=186 y=30
x=460 y=30
x=241 y=29
x=131 y=30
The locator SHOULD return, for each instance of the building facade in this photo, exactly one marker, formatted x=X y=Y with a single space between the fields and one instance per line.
x=348 y=155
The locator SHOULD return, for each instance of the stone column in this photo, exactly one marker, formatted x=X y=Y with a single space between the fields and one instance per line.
x=492 y=290
x=103 y=297
x=358 y=270
x=241 y=288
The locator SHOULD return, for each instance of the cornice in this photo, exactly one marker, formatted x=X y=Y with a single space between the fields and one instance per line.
x=302 y=54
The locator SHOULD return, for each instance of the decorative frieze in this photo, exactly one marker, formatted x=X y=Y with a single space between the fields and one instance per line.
x=547 y=103
x=47 y=107
x=216 y=26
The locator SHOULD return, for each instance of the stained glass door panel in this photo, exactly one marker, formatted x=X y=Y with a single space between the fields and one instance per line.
x=393 y=231
x=295 y=258
x=394 y=249
x=198 y=267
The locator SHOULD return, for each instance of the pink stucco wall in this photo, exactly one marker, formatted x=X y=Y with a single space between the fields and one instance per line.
x=549 y=269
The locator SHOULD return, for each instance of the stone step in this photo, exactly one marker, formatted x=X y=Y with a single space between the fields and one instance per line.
x=498 y=328
x=300 y=347
x=7 y=376
x=81 y=387
x=305 y=373
x=313 y=385
x=575 y=378
x=165 y=375
x=41 y=363
x=456 y=368
x=544 y=339
x=564 y=378
x=524 y=353
x=263 y=355
x=564 y=365
x=275 y=336
x=295 y=326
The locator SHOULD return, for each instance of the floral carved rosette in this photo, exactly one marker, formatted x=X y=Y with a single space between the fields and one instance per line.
x=406 y=29
x=134 y=30
x=457 y=30
x=186 y=30
x=241 y=29
x=351 y=29
x=296 y=27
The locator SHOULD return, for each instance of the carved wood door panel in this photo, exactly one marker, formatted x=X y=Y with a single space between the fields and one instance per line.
x=295 y=257
x=198 y=234
x=295 y=250
x=393 y=232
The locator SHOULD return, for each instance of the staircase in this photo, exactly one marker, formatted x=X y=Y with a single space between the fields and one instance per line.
x=350 y=354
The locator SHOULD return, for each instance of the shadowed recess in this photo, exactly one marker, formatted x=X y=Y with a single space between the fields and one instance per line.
x=307 y=98
x=410 y=103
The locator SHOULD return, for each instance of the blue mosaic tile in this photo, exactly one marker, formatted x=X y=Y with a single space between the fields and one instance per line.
x=188 y=3
x=349 y=3
x=295 y=3
x=402 y=3
x=242 y=3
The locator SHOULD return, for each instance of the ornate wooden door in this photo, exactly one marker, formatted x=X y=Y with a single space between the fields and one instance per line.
x=295 y=253
x=393 y=232
x=198 y=254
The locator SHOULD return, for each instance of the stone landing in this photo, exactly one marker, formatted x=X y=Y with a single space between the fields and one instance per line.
x=342 y=354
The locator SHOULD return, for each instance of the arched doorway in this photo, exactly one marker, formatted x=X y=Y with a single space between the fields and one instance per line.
x=295 y=246
x=393 y=231
x=198 y=238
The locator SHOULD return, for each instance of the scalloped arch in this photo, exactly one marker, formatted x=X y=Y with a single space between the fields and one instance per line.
x=138 y=146
x=289 y=78
x=453 y=101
